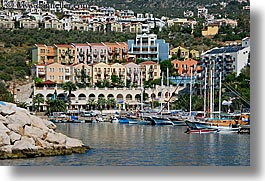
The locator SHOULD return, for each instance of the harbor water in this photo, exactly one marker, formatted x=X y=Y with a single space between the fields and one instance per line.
x=117 y=144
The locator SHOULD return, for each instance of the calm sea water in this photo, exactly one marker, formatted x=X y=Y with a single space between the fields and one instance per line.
x=144 y=145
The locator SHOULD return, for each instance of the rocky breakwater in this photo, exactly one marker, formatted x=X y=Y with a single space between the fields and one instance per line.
x=23 y=135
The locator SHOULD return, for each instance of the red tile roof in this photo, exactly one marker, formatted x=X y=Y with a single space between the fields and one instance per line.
x=147 y=62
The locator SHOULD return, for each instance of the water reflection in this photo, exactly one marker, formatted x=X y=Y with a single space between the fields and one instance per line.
x=144 y=145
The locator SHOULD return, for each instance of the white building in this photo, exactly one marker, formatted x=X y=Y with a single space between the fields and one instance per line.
x=227 y=59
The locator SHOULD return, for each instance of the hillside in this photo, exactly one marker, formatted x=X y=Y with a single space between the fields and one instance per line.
x=170 y=8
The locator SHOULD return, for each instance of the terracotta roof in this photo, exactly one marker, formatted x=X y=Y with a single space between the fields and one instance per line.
x=96 y=44
x=48 y=82
x=63 y=45
x=148 y=62
x=80 y=44
x=40 y=45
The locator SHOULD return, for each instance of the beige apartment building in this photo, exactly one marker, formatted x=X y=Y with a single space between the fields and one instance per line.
x=64 y=54
x=150 y=70
x=78 y=69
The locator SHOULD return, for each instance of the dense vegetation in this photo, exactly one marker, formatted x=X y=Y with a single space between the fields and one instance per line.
x=170 y=8
x=15 y=53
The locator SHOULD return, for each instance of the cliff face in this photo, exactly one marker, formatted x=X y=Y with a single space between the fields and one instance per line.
x=24 y=135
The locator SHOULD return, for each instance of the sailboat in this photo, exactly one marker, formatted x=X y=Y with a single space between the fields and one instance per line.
x=222 y=124
x=138 y=118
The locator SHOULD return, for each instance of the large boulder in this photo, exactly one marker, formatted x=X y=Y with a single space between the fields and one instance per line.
x=7 y=108
x=23 y=135
x=3 y=128
x=4 y=138
x=25 y=143
x=71 y=142
x=14 y=136
x=38 y=122
x=50 y=124
x=17 y=128
x=19 y=118
x=4 y=120
x=33 y=132
x=56 y=138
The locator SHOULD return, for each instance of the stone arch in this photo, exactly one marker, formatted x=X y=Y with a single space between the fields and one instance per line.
x=40 y=95
x=61 y=96
x=128 y=97
x=110 y=96
x=101 y=95
x=72 y=96
x=92 y=96
x=119 y=97
x=137 y=97
x=49 y=96
x=81 y=96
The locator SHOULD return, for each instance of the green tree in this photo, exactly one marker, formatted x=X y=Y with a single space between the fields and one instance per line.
x=111 y=102
x=69 y=87
x=91 y=103
x=101 y=103
x=56 y=105
x=38 y=99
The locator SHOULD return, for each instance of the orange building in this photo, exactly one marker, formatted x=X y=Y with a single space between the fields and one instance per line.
x=64 y=54
x=117 y=51
x=184 y=67
x=43 y=54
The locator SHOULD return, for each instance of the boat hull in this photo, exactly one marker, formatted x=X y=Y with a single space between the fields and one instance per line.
x=201 y=131
x=206 y=125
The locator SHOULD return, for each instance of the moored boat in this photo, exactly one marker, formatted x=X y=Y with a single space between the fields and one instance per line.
x=161 y=121
x=224 y=125
x=202 y=130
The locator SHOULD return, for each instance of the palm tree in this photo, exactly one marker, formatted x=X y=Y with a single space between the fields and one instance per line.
x=111 y=102
x=90 y=103
x=56 y=105
x=38 y=99
x=69 y=87
x=101 y=103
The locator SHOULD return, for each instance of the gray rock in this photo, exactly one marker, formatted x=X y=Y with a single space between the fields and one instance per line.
x=4 y=138
x=14 y=136
x=19 y=118
x=3 y=128
x=4 y=120
x=56 y=138
x=50 y=125
x=71 y=142
x=25 y=144
x=6 y=148
x=33 y=132
x=17 y=128
x=38 y=122
x=7 y=108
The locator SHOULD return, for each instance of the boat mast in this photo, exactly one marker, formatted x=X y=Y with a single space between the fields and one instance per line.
x=205 y=89
x=190 y=88
x=142 y=92
x=161 y=103
x=167 y=91
x=213 y=86
x=211 y=93
x=220 y=92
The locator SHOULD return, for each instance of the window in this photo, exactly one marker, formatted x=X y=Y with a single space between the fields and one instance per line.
x=51 y=77
x=51 y=69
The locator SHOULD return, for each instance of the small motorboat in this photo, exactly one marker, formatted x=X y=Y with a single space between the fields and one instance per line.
x=202 y=130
